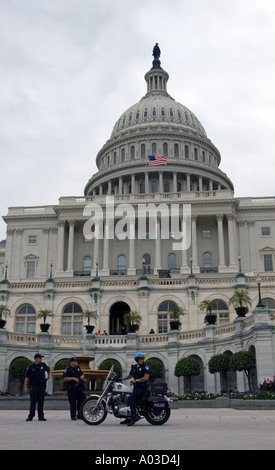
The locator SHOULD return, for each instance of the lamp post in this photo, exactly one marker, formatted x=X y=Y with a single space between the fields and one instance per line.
x=258 y=281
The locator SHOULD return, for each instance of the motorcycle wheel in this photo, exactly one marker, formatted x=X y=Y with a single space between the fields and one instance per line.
x=92 y=415
x=157 y=417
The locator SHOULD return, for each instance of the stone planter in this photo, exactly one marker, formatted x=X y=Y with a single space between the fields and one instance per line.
x=241 y=311
x=44 y=327
x=89 y=328
x=210 y=319
x=175 y=324
x=133 y=328
x=2 y=323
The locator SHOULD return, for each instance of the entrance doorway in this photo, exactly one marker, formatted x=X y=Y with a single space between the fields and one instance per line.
x=117 y=324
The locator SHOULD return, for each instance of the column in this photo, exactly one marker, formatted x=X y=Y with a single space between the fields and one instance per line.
x=160 y=182
x=70 y=248
x=232 y=243
x=175 y=185
x=146 y=183
x=188 y=182
x=157 y=246
x=60 y=247
x=133 y=184
x=131 y=263
x=194 y=244
x=221 y=242
x=106 y=245
x=184 y=261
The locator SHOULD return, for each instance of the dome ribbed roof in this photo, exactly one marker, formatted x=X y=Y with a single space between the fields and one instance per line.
x=157 y=107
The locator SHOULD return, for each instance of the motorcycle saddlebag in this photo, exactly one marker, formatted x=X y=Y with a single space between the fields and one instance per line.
x=159 y=389
x=158 y=403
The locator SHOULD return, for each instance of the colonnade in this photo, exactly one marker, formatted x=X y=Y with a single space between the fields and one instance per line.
x=101 y=249
x=187 y=181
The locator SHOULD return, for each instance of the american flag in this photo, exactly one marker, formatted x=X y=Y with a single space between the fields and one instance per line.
x=155 y=160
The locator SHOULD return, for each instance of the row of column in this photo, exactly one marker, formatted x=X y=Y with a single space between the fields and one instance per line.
x=101 y=249
x=120 y=186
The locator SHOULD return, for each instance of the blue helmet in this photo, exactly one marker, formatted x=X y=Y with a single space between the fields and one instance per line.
x=138 y=355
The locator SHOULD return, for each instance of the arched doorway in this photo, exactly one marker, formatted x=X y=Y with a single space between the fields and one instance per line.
x=117 y=311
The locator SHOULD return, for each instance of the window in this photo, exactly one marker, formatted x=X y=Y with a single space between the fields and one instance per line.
x=163 y=315
x=165 y=149
x=172 y=261
x=32 y=239
x=265 y=231
x=166 y=186
x=186 y=151
x=222 y=312
x=121 y=264
x=25 y=319
x=269 y=303
x=207 y=260
x=123 y=155
x=146 y=264
x=206 y=233
x=268 y=263
x=195 y=153
x=142 y=150
x=30 y=269
x=114 y=157
x=72 y=320
x=154 y=186
x=154 y=148
x=132 y=152
x=176 y=150
x=87 y=265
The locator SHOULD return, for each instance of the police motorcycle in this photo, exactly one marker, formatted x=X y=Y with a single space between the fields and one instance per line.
x=154 y=406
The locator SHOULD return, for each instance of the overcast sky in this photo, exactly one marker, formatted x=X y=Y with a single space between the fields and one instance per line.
x=70 y=68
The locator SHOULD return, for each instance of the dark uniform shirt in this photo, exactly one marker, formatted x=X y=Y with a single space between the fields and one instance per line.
x=137 y=372
x=72 y=372
x=36 y=373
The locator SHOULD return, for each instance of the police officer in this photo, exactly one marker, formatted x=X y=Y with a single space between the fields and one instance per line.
x=140 y=374
x=74 y=378
x=37 y=380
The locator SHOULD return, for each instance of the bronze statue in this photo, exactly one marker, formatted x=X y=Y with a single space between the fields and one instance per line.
x=156 y=51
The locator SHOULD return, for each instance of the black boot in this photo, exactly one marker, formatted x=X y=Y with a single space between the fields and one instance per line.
x=133 y=420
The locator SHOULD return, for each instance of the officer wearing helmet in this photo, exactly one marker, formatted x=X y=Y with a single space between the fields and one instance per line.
x=140 y=374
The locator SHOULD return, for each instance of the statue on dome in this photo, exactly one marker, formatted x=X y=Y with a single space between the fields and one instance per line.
x=156 y=51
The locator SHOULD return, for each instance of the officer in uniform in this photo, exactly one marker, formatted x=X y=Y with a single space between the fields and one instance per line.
x=35 y=377
x=140 y=374
x=74 y=378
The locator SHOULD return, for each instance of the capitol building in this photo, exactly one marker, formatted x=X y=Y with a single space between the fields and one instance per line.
x=157 y=227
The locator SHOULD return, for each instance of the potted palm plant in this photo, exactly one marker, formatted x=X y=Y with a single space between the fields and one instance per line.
x=175 y=314
x=241 y=301
x=132 y=320
x=44 y=314
x=4 y=312
x=90 y=315
x=209 y=305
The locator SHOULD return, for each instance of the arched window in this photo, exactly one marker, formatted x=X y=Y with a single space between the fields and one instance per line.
x=195 y=153
x=166 y=186
x=142 y=150
x=269 y=303
x=221 y=311
x=154 y=186
x=72 y=320
x=176 y=150
x=25 y=319
x=132 y=152
x=186 y=151
x=87 y=265
x=165 y=149
x=164 y=310
x=123 y=155
x=154 y=148
x=114 y=157
x=121 y=264
x=142 y=187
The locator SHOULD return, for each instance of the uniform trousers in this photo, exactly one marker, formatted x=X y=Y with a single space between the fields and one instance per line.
x=137 y=393
x=37 y=395
x=75 y=397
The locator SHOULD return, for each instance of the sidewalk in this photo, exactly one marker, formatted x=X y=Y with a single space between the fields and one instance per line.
x=187 y=429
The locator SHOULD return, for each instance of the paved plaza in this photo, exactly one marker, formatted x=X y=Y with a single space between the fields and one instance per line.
x=187 y=429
